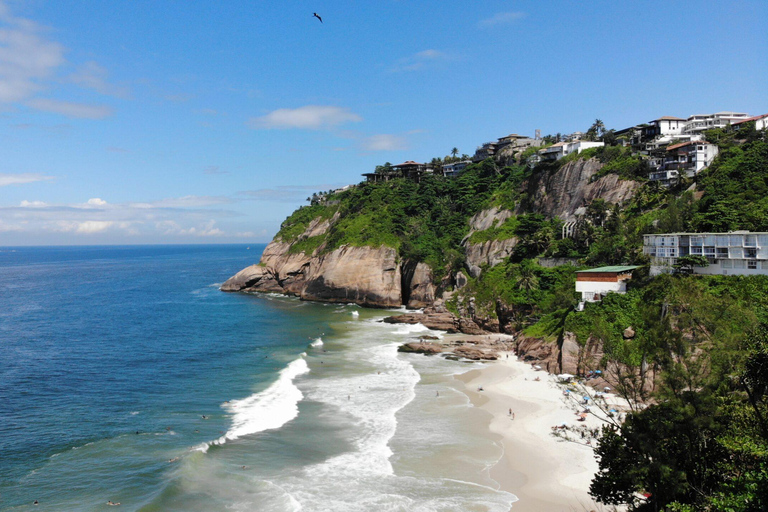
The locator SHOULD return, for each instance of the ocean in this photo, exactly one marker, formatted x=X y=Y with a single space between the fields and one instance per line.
x=126 y=376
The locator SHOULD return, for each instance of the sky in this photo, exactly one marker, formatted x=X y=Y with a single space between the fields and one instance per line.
x=197 y=121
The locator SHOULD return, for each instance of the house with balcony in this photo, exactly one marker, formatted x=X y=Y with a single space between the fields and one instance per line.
x=596 y=283
x=487 y=150
x=690 y=157
x=698 y=123
x=734 y=253
x=410 y=169
x=454 y=169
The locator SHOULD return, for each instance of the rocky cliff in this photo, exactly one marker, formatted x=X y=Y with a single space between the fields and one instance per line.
x=565 y=192
x=301 y=263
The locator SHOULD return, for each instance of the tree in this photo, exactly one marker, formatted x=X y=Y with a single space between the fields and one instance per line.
x=596 y=131
x=454 y=152
x=685 y=264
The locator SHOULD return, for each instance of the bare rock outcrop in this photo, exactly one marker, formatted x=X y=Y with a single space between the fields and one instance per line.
x=421 y=348
x=489 y=253
x=562 y=193
x=440 y=321
x=363 y=275
x=418 y=288
x=486 y=219
x=475 y=353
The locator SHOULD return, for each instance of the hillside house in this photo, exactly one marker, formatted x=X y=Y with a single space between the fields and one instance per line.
x=596 y=283
x=690 y=157
x=454 y=169
x=410 y=169
x=734 y=253
x=487 y=150
x=563 y=149
x=697 y=124
x=761 y=122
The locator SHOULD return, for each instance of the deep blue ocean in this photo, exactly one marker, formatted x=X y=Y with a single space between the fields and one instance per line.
x=127 y=376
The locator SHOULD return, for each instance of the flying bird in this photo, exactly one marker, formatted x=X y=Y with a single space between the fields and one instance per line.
x=317 y=16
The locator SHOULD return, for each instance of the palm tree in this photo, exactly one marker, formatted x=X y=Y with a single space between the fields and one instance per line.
x=454 y=152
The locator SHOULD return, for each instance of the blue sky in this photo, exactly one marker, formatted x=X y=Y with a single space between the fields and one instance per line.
x=209 y=122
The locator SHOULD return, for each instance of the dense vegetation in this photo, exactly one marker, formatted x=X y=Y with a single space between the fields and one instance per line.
x=698 y=357
x=425 y=221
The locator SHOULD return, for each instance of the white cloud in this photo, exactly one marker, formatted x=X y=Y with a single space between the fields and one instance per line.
x=96 y=201
x=29 y=62
x=420 y=59
x=91 y=75
x=69 y=109
x=384 y=142
x=33 y=204
x=20 y=179
x=501 y=18
x=93 y=226
x=205 y=229
x=26 y=58
x=310 y=117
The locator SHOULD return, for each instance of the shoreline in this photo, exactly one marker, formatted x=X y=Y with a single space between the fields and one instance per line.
x=545 y=472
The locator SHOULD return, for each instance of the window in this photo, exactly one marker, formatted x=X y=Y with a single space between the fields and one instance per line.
x=736 y=240
x=696 y=250
x=750 y=253
x=726 y=264
x=750 y=241
x=752 y=264
x=736 y=252
x=697 y=241
x=722 y=240
x=709 y=251
x=722 y=252
x=738 y=263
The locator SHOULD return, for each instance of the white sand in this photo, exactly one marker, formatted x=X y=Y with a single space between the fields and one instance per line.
x=545 y=472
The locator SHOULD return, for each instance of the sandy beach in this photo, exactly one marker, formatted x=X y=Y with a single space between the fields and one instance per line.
x=546 y=473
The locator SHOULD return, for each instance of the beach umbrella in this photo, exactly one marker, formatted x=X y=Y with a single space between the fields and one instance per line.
x=598 y=372
x=565 y=376
x=583 y=415
x=586 y=398
x=606 y=388
x=537 y=367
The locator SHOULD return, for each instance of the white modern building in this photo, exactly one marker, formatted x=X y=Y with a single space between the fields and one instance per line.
x=734 y=253
x=700 y=122
x=596 y=283
x=563 y=149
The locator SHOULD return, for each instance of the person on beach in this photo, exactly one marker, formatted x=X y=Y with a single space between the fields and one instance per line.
x=437 y=394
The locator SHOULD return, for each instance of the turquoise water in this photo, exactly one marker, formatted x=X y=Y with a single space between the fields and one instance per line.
x=127 y=376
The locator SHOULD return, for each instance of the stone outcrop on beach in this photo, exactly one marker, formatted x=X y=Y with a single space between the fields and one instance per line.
x=421 y=348
x=433 y=318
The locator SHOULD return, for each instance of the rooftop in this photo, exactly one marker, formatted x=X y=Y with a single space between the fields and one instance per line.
x=681 y=144
x=614 y=268
x=755 y=118
x=669 y=118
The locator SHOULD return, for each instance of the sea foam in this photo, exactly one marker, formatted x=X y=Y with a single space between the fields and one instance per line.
x=268 y=409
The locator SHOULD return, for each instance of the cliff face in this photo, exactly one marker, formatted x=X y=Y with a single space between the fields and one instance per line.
x=563 y=193
x=490 y=252
x=302 y=266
